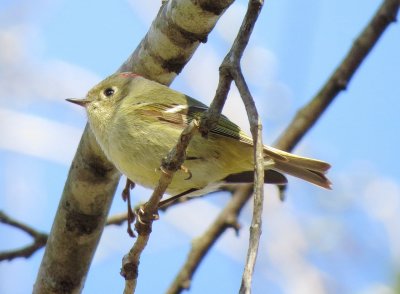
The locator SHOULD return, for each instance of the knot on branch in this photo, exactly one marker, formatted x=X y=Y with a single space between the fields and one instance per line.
x=172 y=163
x=207 y=123
x=129 y=268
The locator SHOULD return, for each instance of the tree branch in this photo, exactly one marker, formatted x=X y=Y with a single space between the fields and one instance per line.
x=39 y=239
x=256 y=223
x=340 y=79
x=172 y=39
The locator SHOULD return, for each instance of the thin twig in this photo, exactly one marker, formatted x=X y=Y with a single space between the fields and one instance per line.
x=39 y=239
x=229 y=65
x=291 y=136
x=230 y=69
x=117 y=219
x=240 y=43
x=256 y=223
x=143 y=225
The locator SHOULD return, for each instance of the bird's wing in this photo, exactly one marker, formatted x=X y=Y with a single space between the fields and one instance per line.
x=180 y=115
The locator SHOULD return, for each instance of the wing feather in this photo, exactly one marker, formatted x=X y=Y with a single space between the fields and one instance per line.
x=179 y=115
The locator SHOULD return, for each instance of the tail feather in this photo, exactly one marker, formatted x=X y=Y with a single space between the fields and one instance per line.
x=300 y=161
x=308 y=169
x=312 y=176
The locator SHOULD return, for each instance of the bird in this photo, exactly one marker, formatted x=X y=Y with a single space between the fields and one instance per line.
x=136 y=121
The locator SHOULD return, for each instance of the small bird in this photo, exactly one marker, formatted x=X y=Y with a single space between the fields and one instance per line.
x=137 y=121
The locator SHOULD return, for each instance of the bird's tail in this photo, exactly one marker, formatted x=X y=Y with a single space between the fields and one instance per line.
x=308 y=169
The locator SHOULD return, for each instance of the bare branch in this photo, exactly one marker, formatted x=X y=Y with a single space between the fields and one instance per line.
x=339 y=80
x=39 y=239
x=117 y=219
x=239 y=45
x=256 y=224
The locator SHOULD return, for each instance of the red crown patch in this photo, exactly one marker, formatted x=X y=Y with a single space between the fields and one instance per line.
x=129 y=75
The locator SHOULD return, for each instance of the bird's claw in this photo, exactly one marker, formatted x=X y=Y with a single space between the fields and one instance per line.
x=187 y=171
x=182 y=168
x=143 y=218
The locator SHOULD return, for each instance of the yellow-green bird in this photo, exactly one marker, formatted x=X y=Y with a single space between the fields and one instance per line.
x=137 y=121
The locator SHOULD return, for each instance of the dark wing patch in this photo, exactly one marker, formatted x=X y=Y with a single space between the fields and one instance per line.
x=270 y=177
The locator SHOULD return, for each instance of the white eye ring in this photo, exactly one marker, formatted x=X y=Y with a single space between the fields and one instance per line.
x=108 y=92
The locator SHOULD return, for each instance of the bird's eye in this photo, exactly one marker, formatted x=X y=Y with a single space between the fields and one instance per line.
x=108 y=92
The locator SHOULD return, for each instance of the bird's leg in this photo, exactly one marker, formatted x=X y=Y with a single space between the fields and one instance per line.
x=126 y=196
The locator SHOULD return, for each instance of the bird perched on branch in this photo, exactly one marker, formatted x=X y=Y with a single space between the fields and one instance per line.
x=136 y=122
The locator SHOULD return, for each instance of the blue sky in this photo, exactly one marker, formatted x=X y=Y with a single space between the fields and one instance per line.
x=345 y=240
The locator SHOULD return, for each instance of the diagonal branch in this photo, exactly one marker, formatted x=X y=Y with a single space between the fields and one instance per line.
x=340 y=79
x=385 y=15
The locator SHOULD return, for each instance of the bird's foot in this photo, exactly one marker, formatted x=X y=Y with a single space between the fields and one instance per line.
x=126 y=196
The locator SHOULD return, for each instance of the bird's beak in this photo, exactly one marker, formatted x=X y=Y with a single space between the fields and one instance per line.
x=82 y=102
